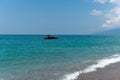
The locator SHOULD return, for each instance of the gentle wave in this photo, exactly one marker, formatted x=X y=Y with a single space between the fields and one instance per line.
x=100 y=64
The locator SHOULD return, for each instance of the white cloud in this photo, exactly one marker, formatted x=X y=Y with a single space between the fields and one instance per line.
x=112 y=16
x=101 y=1
x=116 y=2
x=96 y=12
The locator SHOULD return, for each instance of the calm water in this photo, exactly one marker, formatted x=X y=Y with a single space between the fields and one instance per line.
x=33 y=58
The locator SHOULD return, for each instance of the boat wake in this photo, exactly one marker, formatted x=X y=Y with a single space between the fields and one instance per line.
x=100 y=64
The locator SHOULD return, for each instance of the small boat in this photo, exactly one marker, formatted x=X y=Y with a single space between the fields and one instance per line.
x=50 y=37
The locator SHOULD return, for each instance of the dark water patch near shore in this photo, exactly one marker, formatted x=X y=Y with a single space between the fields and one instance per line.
x=111 y=72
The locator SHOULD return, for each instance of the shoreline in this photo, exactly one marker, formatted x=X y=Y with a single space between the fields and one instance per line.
x=110 y=72
x=100 y=64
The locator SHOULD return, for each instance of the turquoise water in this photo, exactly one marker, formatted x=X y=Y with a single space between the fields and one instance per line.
x=33 y=58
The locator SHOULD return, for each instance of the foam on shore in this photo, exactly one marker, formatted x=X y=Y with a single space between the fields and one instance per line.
x=100 y=64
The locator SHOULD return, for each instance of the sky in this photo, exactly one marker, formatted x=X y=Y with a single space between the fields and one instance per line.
x=58 y=16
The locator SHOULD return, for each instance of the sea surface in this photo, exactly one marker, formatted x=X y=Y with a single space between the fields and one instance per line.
x=30 y=57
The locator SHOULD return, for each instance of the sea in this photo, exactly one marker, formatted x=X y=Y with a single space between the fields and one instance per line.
x=31 y=57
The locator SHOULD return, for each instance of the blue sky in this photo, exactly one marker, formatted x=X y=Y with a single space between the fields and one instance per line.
x=54 y=16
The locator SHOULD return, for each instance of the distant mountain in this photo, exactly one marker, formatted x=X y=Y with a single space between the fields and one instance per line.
x=109 y=32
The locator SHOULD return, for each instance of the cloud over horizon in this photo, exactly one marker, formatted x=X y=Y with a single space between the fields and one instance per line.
x=96 y=12
x=112 y=16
